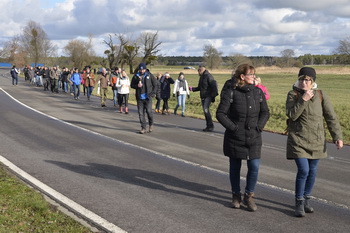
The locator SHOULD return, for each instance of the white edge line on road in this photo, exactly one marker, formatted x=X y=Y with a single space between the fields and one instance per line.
x=173 y=158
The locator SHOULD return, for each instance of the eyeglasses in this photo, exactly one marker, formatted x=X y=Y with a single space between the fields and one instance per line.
x=305 y=80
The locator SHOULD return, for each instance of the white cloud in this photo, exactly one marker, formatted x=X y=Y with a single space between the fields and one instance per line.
x=249 y=27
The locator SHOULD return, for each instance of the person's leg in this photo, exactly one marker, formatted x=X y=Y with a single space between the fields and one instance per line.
x=205 y=105
x=183 y=104
x=142 y=118
x=252 y=178
x=310 y=180
x=300 y=183
x=235 y=174
x=149 y=113
x=252 y=174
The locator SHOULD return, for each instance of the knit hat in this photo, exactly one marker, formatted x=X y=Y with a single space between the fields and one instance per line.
x=142 y=66
x=308 y=71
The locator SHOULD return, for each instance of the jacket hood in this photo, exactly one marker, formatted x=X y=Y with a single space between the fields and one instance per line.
x=297 y=88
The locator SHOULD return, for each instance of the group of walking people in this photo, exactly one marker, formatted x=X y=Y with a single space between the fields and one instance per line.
x=243 y=111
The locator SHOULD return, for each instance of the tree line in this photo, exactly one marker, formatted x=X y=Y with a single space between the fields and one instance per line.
x=32 y=46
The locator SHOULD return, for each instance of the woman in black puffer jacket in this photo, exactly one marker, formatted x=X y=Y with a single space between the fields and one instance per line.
x=243 y=111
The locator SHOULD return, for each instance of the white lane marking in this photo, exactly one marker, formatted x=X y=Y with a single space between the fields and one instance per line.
x=177 y=159
x=61 y=198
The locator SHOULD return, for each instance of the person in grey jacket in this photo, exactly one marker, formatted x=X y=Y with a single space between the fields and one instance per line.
x=243 y=111
x=306 y=107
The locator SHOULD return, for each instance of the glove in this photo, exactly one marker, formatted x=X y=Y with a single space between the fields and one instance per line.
x=188 y=96
x=213 y=99
x=173 y=95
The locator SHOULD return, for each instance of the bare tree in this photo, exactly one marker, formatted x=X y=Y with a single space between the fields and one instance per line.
x=35 y=42
x=130 y=53
x=115 y=51
x=212 y=57
x=80 y=52
x=149 y=45
x=344 y=46
x=237 y=59
x=287 y=57
x=12 y=51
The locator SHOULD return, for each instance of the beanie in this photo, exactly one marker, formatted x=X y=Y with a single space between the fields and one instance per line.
x=142 y=66
x=308 y=71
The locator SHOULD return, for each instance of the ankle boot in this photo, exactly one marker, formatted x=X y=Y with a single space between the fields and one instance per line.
x=236 y=200
x=307 y=206
x=299 y=208
x=249 y=201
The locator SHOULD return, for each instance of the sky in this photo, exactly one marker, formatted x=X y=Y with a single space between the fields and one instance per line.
x=247 y=27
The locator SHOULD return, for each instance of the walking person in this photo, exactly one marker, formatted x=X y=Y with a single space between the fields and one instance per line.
x=158 y=77
x=54 y=76
x=243 y=111
x=114 y=76
x=165 y=82
x=181 y=90
x=145 y=85
x=123 y=84
x=103 y=78
x=76 y=80
x=89 y=82
x=208 y=90
x=307 y=107
x=14 y=74
x=45 y=73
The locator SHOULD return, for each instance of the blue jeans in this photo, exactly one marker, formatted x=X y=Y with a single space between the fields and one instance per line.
x=181 y=101
x=15 y=80
x=115 y=97
x=252 y=174
x=143 y=107
x=89 y=91
x=205 y=105
x=76 y=90
x=306 y=176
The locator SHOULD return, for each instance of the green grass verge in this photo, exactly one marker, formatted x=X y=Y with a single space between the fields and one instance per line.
x=22 y=209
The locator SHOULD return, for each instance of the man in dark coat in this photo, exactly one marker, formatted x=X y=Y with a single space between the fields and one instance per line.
x=208 y=90
x=146 y=87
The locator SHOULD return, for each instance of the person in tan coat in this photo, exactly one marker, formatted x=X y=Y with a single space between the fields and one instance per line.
x=103 y=78
x=89 y=81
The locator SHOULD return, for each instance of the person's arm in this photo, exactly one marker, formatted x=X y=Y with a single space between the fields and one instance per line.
x=223 y=110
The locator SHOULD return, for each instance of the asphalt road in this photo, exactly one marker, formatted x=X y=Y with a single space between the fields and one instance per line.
x=172 y=180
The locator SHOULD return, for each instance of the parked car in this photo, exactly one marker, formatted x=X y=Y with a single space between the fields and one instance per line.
x=189 y=68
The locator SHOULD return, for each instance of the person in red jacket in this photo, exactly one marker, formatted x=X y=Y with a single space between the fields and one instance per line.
x=262 y=87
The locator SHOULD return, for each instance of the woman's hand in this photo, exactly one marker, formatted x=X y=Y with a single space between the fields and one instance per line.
x=339 y=144
x=308 y=95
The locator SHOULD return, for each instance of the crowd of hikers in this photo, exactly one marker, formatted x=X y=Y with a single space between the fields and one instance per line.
x=243 y=111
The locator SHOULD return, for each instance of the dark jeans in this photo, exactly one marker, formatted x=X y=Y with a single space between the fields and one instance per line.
x=15 y=80
x=205 y=105
x=306 y=176
x=252 y=174
x=158 y=103
x=143 y=107
x=165 y=104
x=76 y=90
x=89 y=91
x=54 y=85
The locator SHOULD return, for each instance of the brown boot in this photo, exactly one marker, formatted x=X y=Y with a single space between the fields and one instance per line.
x=249 y=201
x=236 y=200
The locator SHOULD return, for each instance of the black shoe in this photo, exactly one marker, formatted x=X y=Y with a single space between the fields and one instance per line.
x=103 y=105
x=210 y=129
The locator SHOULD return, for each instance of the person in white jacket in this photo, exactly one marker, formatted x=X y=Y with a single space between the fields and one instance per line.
x=123 y=85
x=181 y=90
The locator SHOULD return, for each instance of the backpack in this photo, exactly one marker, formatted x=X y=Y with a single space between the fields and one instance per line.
x=298 y=96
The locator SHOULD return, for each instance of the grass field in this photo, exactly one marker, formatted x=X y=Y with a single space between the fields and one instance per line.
x=24 y=210
x=334 y=81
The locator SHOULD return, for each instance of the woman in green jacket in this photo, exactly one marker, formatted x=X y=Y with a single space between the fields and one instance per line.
x=306 y=107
